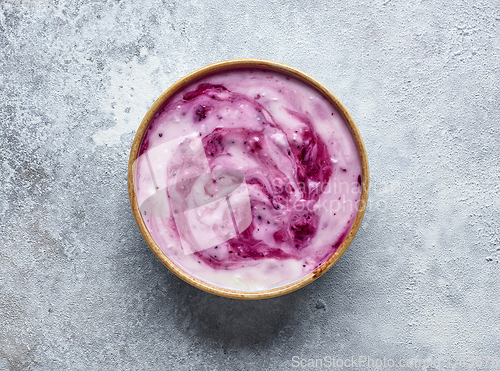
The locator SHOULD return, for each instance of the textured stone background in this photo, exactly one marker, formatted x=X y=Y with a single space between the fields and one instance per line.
x=80 y=289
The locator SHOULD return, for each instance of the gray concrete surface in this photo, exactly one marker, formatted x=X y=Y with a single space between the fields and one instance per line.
x=80 y=289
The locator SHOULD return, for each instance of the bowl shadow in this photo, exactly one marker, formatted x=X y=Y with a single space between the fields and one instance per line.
x=231 y=323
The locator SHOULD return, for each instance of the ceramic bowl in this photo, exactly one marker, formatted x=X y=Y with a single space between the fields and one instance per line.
x=184 y=82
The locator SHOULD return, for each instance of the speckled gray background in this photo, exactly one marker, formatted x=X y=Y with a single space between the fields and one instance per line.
x=81 y=290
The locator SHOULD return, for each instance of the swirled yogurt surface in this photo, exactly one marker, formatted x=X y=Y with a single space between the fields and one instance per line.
x=248 y=179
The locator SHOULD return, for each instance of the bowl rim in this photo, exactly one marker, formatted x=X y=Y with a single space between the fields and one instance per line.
x=227 y=65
